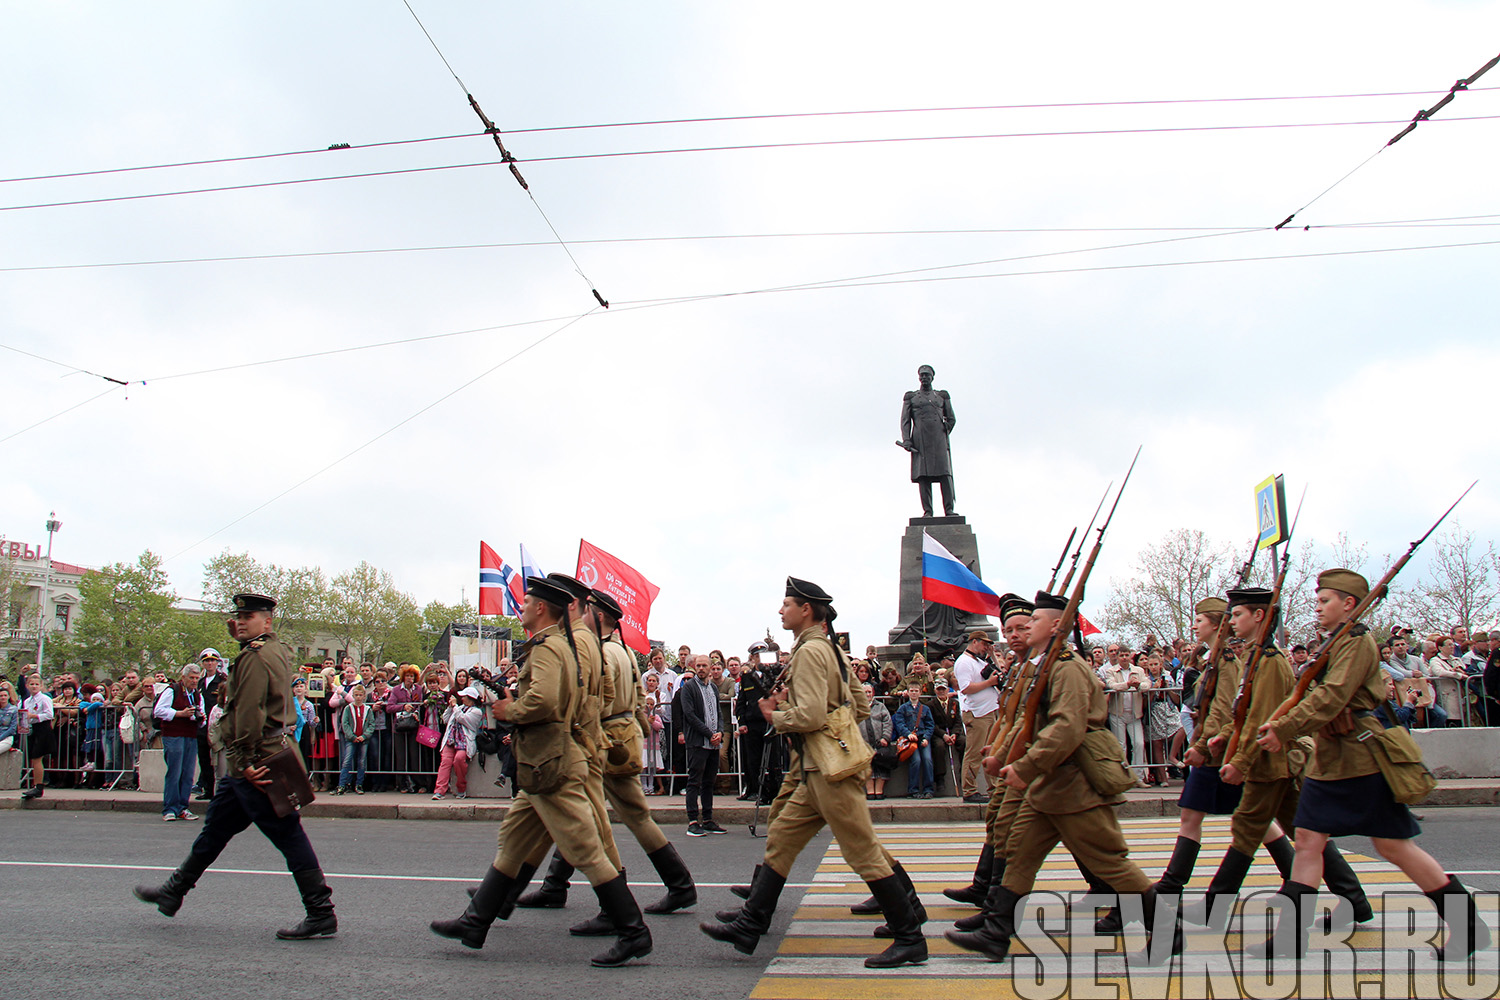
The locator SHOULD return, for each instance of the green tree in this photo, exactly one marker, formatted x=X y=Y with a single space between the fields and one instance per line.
x=125 y=619
x=301 y=592
x=367 y=613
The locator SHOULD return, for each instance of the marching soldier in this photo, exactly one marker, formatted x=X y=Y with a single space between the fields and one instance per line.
x=598 y=689
x=622 y=756
x=1060 y=804
x=1345 y=792
x=258 y=708
x=552 y=772
x=831 y=761
x=1269 y=802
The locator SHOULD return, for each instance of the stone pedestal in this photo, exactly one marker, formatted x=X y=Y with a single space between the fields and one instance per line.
x=10 y=771
x=955 y=535
x=482 y=783
x=153 y=770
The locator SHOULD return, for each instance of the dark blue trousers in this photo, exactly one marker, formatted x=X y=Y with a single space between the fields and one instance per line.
x=236 y=804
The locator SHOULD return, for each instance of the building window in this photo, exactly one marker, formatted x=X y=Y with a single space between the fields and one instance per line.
x=62 y=616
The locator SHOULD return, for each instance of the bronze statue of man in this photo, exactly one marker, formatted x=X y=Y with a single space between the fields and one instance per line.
x=926 y=421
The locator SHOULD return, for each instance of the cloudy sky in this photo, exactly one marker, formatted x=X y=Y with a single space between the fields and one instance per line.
x=1113 y=282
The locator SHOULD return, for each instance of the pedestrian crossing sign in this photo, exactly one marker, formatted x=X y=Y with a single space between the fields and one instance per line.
x=1270 y=511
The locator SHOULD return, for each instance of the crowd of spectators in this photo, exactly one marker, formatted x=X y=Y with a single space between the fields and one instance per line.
x=415 y=729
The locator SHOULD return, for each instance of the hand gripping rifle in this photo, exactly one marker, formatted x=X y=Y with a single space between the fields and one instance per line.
x=1026 y=725
x=1319 y=663
x=1252 y=660
x=1216 y=649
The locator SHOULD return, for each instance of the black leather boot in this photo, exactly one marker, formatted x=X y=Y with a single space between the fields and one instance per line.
x=975 y=891
x=1226 y=882
x=976 y=921
x=1282 y=853
x=754 y=920
x=317 y=900
x=884 y=930
x=168 y=895
x=618 y=906
x=743 y=891
x=993 y=939
x=484 y=906
x=896 y=893
x=1342 y=881
x=870 y=905
x=552 y=894
x=1466 y=932
x=1157 y=952
x=1289 y=940
x=681 y=892
x=1112 y=922
x=1179 y=868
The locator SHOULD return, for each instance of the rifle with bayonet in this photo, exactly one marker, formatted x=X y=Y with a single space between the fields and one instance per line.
x=1262 y=637
x=1025 y=726
x=1210 y=682
x=1319 y=662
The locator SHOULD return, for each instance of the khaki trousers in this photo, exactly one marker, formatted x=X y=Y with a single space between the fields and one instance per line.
x=1261 y=802
x=976 y=728
x=1007 y=802
x=565 y=817
x=1093 y=836
x=815 y=801
x=628 y=799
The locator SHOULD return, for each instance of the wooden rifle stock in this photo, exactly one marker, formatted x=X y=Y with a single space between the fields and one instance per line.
x=1319 y=662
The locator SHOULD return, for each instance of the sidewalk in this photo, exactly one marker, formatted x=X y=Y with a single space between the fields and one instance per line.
x=669 y=810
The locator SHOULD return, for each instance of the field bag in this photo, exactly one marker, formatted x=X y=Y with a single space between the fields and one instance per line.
x=1400 y=762
x=541 y=750
x=1101 y=758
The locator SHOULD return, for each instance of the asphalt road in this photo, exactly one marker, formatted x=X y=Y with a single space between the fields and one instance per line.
x=72 y=925
x=78 y=931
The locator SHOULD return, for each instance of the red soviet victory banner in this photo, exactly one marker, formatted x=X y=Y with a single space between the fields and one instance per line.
x=602 y=571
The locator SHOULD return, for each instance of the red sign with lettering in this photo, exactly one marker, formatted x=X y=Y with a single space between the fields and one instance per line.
x=602 y=571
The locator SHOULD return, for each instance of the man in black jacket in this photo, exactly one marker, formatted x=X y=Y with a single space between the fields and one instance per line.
x=751 y=726
x=700 y=725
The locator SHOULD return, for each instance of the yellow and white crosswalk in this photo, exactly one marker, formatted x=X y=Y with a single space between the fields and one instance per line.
x=823 y=953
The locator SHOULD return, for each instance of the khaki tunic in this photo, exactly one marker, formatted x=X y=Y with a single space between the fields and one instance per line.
x=1220 y=714
x=1273 y=682
x=623 y=791
x=1075 y=705
x=1354 y=680
x=257 y=702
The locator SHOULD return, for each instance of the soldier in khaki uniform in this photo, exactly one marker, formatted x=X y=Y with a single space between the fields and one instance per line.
x=552 y=773
x=1060 y=804
x=1345 y=792
x=1269 y=802
x=813 y=703
x=598 y=689
x=621 y=784
x=257 y=711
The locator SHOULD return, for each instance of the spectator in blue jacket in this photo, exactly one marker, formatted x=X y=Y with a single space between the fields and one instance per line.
x=914 y=720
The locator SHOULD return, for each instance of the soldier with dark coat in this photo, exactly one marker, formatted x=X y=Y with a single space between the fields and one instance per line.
x=926 y=421
x=257 y=709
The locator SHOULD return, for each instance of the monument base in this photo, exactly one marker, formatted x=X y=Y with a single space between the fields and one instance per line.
x=944 y=627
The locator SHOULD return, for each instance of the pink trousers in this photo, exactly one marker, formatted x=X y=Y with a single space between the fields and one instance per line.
x=456 y=765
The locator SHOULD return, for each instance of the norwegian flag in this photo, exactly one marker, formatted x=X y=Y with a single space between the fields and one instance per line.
x=500 y=586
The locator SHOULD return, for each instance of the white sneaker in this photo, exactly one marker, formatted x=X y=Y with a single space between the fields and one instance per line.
x=463 y=795
x=169 y=817
x=436 y=796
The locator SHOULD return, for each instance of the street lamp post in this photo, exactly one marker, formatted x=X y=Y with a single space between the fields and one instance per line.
x=53 y=524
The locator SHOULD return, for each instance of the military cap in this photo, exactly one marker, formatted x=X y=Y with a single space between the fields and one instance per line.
x=1012 y=605
x=807 y=591
x=1250 y=597
x=606 y=603
x=1345 y=581
x=253 y=602
x=758 y=646
x=925 y=368
x=575 y=587
x=1054 y=602
x=980 y=635
x=549 y=590
x=1211 y=606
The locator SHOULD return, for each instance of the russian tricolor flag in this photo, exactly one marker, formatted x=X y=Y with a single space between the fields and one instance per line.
x=947 y=581
x=500 y=586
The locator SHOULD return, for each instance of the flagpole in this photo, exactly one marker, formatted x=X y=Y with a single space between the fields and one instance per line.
x=924 y=608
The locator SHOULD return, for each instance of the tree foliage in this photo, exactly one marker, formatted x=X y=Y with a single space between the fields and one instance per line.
x=125 y=619
x=301 y=592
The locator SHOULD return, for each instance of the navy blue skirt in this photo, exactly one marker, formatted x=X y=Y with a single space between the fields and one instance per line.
x=1360 y=806
x=1205 y=793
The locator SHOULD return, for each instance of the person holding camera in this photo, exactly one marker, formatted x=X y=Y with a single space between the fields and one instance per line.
x=978 y=681
x=179 y=709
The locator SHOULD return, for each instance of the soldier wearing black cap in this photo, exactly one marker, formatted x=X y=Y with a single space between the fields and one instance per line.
x=1345 y=792
x=598 y=689
x=1269 y=802
x=258 y=708
x=1060 y=804
x=832 y=761
x=552 y=772
x=624 y=726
